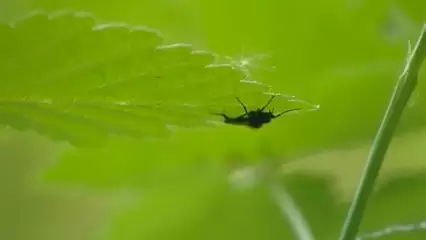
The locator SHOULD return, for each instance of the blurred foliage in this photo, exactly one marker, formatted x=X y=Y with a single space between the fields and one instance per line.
x=28 y=209
x=342 y=55
x=193 y=202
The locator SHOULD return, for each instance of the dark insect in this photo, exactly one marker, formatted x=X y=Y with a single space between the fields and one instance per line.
x=254 y=118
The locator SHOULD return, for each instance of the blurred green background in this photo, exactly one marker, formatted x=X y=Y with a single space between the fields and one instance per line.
x=342 y=55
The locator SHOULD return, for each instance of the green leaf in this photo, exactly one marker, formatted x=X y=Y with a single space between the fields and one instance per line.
x=71 y=78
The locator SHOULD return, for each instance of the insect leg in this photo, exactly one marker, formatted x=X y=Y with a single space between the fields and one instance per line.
x=270 y=100
x=226 y=118
x=242 y=104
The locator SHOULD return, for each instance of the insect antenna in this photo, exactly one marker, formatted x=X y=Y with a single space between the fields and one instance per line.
x=219 y=114
x=286 y=111
x=270 y=100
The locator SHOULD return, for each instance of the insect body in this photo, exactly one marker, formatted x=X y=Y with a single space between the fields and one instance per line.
x=254 y=118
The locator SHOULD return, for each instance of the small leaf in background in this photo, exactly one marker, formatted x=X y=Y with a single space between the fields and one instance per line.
x=398 y=202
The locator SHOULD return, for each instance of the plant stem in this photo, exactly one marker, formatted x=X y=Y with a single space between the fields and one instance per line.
x=402 y=92
x=289 y=208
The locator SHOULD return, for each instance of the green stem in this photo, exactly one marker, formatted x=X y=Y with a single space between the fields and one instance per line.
x=402 y=92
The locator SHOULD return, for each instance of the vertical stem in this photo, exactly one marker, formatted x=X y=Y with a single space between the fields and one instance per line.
x=402 y=92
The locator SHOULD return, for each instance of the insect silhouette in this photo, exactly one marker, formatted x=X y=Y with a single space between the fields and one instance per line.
x=254 y=118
